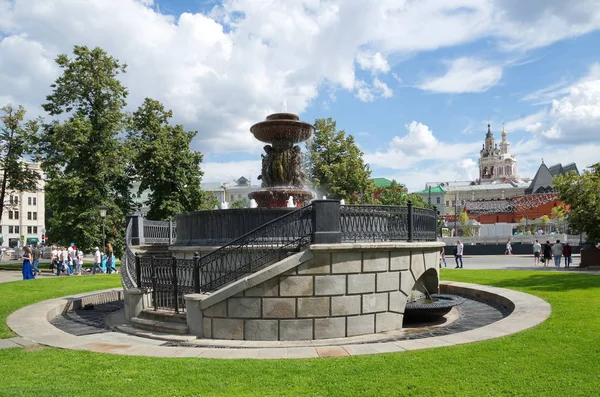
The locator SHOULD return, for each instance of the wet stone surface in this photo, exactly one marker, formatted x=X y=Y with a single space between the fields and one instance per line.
x=87 y=322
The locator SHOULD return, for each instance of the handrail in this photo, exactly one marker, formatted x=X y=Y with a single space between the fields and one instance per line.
x=255 y=249
x=128 y=261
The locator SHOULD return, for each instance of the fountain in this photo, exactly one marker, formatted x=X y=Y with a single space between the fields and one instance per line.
x=281 y=175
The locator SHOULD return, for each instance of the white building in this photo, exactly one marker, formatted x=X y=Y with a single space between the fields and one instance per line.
x=23 y=218
x=231 y=191
x=497 y=163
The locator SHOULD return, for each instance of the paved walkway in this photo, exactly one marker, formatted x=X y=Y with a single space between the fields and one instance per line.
x=32 y=324
x=33 y=327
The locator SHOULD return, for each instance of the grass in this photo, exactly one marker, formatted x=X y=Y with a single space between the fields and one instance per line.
x=44 y=265
x=559 y=357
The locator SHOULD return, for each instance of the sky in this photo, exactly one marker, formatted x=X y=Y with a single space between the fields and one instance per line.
x=415 y=81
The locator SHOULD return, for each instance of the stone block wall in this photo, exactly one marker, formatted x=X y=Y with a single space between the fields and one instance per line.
x=338 y=293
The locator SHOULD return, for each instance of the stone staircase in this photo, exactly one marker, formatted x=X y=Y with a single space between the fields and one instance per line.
x=161 y=321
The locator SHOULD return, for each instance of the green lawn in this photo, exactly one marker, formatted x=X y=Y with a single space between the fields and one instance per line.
x=561 y=357
x=45 y=265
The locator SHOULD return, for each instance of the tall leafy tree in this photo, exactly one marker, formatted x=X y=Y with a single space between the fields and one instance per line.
x=17 y=138
x=82 y=154
x=336 y=164
x=582 y=194
x=395 y=194
x=164 y=163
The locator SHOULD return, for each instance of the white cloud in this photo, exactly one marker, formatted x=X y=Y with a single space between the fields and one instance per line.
x=368 y=93
x=418 y=147
x=223 y=71
x=231 y=170
x=464 y=75
x=374 y=62
x=525 y=123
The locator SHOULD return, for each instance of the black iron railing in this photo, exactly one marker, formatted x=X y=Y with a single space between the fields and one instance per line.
x=373 y=223
x=169 y=279
x=266 y=244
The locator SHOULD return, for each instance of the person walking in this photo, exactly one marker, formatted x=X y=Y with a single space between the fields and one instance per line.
x=80 y=260
x=53 y=259
x=567 y=251
x=67 y=264
x=37 y=254
x=60 y=264
x=28 y=273
x=443 y=258
x=557 y=250
x=458 y=255
x=508 y=250
x=547 y=253
x=109 y=258
x=97 y=259
x=537 y=249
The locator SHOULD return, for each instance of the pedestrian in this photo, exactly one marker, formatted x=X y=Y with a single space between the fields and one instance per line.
x=37 y=254
x=60 y=264
x=567 y=251
x=109 y=258
x=53 y=259
x=547 y=253
x=537 y=249
x=80 y=260
x=67 y=264
x=557 y=250
x=443 y=258
x=28 y=273
x=97 y=260
x=508 y=250
x=458 y=254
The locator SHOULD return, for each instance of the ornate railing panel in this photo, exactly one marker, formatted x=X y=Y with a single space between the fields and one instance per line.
x=266 y=244
x=128 y=261
x=159 y=232
x=167 y=280
x=424 y=224
x=373 y=223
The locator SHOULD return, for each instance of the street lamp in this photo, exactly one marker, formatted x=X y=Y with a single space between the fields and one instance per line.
x=102 y=210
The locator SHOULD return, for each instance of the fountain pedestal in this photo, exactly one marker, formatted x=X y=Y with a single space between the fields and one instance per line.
x=281 y=173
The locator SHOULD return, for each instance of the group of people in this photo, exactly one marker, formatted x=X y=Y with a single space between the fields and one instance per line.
x=458 y=255
x=68 y=261
x=544 y=254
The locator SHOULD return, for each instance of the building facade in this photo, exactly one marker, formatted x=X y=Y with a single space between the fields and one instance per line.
x=23 y=218
x=496 y=164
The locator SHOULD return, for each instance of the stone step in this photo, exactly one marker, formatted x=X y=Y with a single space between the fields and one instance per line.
x=160 y=326
x=164 y=316
x=142 y=333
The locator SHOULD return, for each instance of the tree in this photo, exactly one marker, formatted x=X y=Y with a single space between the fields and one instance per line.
x=463 y=220
x=558 y=214
x=582 y=194
x=336 y=165
x=16 y=141
x=83 y=157
x=545 y=221
x=164 y=164
x=243 y=202
x=395 y=195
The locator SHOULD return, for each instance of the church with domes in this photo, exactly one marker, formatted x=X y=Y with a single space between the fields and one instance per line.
x=496 y=164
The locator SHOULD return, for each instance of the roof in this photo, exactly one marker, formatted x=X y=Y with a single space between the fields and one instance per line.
x=542 y=181
x=489 y=206
x=381 y=182
x=437 y=189
x=570 y=167
x=491 y=186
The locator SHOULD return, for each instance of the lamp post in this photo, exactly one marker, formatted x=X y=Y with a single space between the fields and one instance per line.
x=102 y=210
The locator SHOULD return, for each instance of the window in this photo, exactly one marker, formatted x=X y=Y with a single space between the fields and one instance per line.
x=17 y=216
x=437 y=200
x=10 y=214
x=453 y=202
x=35 y=216
x=10 y=229
x=28 y=200
x=29 y=216
x=35 y=201
x=16 y=200
x=232 y=198
x=17 y=229
x=11 y=199
x=35 y=230
x=28 y=229
x=447 y=203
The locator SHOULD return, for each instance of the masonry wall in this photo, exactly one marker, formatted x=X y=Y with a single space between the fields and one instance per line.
x=338 y=293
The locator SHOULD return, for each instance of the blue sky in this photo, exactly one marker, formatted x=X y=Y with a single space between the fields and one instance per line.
x=414 y=82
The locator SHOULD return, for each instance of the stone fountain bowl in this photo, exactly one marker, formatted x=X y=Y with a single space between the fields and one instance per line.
x=420 y=311
x=282 y=130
